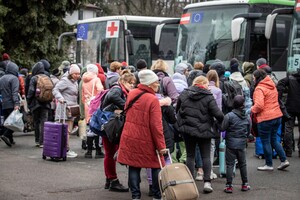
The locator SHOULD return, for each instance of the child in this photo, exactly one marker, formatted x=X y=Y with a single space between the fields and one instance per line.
x=237 y=127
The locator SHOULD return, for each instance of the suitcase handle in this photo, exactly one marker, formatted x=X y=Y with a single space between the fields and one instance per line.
x=63 y=111
x=158 y=156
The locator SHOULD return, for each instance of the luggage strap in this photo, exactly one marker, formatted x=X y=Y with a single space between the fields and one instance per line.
x=173 y=183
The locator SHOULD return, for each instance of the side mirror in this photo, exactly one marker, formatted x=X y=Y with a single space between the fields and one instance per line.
x=236 y=25
x=129 y=41
x=161 y=25
x=60 y=38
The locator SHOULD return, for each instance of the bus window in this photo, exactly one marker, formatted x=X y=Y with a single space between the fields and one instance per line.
x=142 y=50
x=167 y=46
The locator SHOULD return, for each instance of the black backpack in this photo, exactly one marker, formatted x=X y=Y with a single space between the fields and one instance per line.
x=231 y=89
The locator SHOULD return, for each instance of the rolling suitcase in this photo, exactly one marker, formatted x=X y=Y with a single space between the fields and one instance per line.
x=222 y=157
x=55 y=139
x=176 y=181
x=259 y=152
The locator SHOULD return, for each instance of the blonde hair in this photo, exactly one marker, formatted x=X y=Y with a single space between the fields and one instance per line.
x=198 y=65
x=126 y=76
x=160 y=65
x=212 y=75
x=114 y=66
x=201 y=80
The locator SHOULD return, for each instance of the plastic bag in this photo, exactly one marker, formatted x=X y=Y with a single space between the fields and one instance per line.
x=14 y=121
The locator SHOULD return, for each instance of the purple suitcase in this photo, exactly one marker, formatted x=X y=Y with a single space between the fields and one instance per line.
x=55 y=140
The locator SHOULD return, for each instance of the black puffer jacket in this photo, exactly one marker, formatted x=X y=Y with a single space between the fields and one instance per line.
x=237 y=126
x=33 y=103
x=196 y=109
x=291 y=85
x=114 y=99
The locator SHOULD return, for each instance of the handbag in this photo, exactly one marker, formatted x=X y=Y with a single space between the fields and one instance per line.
x=114 y=127
x=73 y=111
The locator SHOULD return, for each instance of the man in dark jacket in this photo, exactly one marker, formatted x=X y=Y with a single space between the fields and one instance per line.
x=237 y=127
x=39 y=109
x=291 y=85
x=9 y=85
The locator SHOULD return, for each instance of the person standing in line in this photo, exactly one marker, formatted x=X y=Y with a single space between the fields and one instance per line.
x=141 y=64
x=143 y=135
x=268 y=116
x=9 y=85
x=237 y=126
x=196 y=109
x=91 y=86
x=66 y=91
x=113 y=74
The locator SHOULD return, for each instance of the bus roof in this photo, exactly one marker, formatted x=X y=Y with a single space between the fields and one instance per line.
x=125 y=18
x=228 y=2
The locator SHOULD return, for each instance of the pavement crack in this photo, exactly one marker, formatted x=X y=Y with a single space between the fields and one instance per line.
x=71 y=190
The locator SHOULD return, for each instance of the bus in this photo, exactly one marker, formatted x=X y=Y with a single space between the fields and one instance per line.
x=229 y=29
x=121 y=38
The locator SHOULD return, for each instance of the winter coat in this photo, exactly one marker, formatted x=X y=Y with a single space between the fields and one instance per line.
x=196 y=109
x=54 y=79
x=89 y=79
x=66 y=89
x=111 y=78
x=291 y=86
x=101 y=74
x=193 y=74
x=179 y=82
x=265 y=98
x=237 y=76
x=248 y=69
x=115 y=99
x=169 y=88
x=33 y=103
x=143 y=131
x=237 y=126
x=217 y=92
x=168 y=118
x=22 y=85
x=9 y=85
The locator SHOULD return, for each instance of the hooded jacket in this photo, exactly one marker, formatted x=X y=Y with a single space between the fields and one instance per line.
x=248 y=69
x=237 y=126
x=179 y=82
x=9 y=85
x=196 y=109
x=237 y=76
x=290 y=85
x=112 y=77
x=265 y=98
x=33 y=103
x=101 y=74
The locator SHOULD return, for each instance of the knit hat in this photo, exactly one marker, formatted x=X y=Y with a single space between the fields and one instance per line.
x=74 y=69
x=92 y=68
x=181 y=68
x=5 y=56
x=238 y=101
x=234 y=65
x=261 y=61
x=124 y=64
x=141 y=64
x=147 y=77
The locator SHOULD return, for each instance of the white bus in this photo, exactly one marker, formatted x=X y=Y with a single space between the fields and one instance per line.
x=122 y=38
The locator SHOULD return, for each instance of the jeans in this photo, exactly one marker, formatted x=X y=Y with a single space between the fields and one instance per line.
x=204 y=145
x=149 y=170
x=109 y=161
x=267 y=131
x=288 y=138
x=40 y=116
x=198 y=158
x=240 y=155
x=134 y=176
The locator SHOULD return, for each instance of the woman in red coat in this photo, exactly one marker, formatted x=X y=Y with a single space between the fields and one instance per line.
x=143 y=134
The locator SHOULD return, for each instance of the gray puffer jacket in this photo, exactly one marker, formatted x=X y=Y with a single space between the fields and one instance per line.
x=9 y=87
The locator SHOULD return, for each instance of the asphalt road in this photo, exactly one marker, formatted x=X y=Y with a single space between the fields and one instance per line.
x=25 y=175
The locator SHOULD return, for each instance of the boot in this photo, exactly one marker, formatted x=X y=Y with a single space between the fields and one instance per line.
x=107 y=183
x=89 y=142
x=116 y=186
x=99 y=153
x=84 y=145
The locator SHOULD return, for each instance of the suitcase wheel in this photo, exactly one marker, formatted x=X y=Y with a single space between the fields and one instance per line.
x=44 y=157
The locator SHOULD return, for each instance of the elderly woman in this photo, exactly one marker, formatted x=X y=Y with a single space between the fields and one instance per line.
x=143 y=134
x=196 y=110
x=66 y=90
x=268 y=116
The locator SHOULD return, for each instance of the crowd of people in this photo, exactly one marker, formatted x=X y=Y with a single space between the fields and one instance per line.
x=184 y=114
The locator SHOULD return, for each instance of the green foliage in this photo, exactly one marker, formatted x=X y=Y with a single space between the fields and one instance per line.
x=32 y=28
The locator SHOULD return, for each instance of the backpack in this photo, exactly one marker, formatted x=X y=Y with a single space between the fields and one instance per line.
x=44 y=88
x=231 y=89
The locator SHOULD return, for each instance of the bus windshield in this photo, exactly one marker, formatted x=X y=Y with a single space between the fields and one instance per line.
x=294 y=47
x=96 y=48
x=207 y=34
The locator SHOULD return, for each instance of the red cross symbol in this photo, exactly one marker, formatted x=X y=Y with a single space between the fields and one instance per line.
x=112 y=28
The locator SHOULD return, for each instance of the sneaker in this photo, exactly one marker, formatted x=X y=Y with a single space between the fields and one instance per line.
x=213 y=175
x=116 y=186
x=71 y=154
x=199 y=176
x=12 y=141
x=6 y=140
x=245 y=187
x=228 y=189
x=88 y=154
x=99 y=154
x=265 y=168
x=107 y=184
x=283 y=165
x=207 y=187
x=74 y=131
